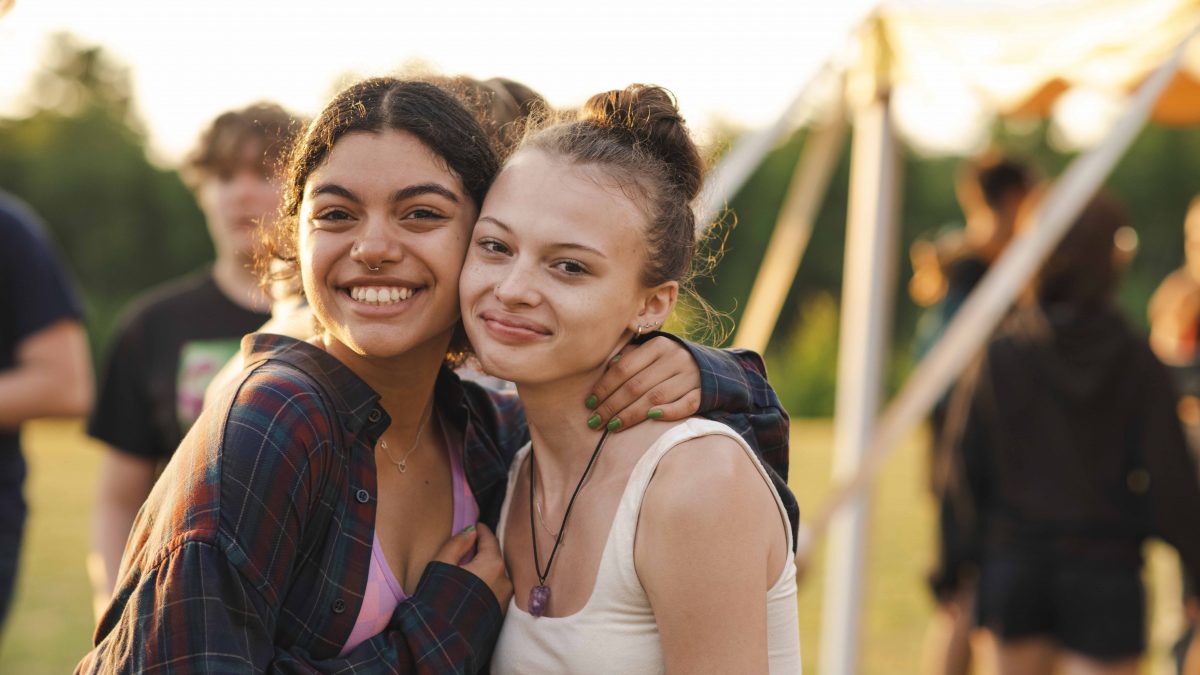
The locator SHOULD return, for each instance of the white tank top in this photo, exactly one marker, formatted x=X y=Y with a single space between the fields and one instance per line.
x=615 y=632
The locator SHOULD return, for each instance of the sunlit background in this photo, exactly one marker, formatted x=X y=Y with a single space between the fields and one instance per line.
x=736 y=65
x=738 y=62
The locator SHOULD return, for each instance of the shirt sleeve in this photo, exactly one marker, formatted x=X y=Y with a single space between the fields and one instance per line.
x=35 y=285
x=196 y=612
x=123 y=414
x=734 y=391
x=213 y=558
x=449 y=625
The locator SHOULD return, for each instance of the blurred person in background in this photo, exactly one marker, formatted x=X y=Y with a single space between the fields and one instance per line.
x=45 y=365
x=946 y=269
x=1066 y=454
x=174 y=339
x=1174 y=313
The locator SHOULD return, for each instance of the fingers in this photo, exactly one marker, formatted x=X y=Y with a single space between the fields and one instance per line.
x=488 y=565
x=457 y=547
x=676 y=399
x=486 y=539
x=628 y=362
x=656 y=375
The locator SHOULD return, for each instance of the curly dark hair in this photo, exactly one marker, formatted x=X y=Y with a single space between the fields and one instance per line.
x=437 y=118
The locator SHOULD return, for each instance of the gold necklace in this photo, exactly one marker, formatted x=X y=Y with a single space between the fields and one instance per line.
x=402 y=463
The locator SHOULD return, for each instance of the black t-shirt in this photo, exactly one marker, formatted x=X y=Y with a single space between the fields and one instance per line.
x=171 y=343
x=35 y=291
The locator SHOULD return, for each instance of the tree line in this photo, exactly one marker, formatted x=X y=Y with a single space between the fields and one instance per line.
x=123 y=223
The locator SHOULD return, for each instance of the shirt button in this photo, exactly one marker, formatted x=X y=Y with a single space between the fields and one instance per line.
x=339 y=606
x=374 y=415
x=363 y=497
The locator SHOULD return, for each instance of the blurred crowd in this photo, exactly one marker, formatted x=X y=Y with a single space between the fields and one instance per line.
x=1069 y=441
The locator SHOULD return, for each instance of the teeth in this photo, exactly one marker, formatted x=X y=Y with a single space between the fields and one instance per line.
x=380 y=295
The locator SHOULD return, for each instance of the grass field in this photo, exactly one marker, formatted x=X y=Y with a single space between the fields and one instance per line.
x=50 y=625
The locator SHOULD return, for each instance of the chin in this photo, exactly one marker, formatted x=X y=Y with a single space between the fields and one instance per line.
x=505 y=367
x=518 y=366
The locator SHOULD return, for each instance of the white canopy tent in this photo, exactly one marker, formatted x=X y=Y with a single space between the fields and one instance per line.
x=1015 y=60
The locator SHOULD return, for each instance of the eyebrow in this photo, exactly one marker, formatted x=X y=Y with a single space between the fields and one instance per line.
x=566 y=245
x=397 y=196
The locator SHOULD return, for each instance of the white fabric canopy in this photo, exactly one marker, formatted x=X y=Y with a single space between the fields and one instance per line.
x=1019 y=59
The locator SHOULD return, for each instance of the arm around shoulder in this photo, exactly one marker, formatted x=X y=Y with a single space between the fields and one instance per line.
x=734 y=391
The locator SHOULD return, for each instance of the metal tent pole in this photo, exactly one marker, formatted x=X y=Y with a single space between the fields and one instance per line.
x=868 y=282
x=987 y=304
x=792 y=231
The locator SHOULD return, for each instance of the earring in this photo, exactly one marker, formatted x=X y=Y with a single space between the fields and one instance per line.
x=645 y=327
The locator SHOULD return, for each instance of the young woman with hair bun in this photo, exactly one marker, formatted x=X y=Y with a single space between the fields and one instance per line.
x=665 y=548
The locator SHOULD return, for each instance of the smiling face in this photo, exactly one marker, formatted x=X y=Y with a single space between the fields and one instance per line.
x=384 y=201
x=551 y=285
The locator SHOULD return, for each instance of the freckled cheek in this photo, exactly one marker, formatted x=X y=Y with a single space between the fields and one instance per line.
x=474 y=278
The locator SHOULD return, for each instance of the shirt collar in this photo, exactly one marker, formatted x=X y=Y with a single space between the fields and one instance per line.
x=355 y=402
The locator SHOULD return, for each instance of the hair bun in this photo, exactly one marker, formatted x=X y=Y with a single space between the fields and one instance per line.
x=649 y=116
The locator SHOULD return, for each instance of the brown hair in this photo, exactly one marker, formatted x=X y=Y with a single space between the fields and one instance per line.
x=263 y=128
x=638 y=137
x=993 y=177
x=1082 y=270
x=376 y=105
x=505 y=108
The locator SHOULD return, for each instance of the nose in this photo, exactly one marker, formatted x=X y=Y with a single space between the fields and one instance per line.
x=246 y=186
x=377 y=244
x=517 y=286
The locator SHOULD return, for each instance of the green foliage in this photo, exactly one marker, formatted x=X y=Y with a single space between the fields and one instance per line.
x=799 y=365
x=80 y=160
x=1156 y=179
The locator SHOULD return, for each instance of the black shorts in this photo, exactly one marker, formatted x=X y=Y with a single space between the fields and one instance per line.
x=1095 y=610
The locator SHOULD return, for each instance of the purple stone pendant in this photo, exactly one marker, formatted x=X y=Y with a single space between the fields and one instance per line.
x=538 y=597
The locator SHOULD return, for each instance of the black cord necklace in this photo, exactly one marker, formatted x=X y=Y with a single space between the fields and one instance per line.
x=539 y=596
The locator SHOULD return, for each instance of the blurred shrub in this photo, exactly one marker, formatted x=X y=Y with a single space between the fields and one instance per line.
x=803 y=365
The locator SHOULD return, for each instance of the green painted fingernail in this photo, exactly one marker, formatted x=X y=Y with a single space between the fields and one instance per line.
x=614 y=359
x=653 y=414
x=466 y=529
x=594 y=422
x=614 y=424
x=592 y=402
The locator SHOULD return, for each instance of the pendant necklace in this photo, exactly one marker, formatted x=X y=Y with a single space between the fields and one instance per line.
x=539 y=596
x=402 y=463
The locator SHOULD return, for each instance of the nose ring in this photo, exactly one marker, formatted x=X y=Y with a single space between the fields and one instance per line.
x=372 y=269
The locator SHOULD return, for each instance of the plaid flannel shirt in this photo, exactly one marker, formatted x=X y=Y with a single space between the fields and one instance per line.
x=252 y=551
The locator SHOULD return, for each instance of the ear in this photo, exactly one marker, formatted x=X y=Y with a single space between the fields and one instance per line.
x=655 y=306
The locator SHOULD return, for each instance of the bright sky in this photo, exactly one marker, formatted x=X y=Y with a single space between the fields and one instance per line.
x=739 y=60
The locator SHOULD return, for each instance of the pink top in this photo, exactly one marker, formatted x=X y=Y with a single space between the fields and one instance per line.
x=383 y=592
